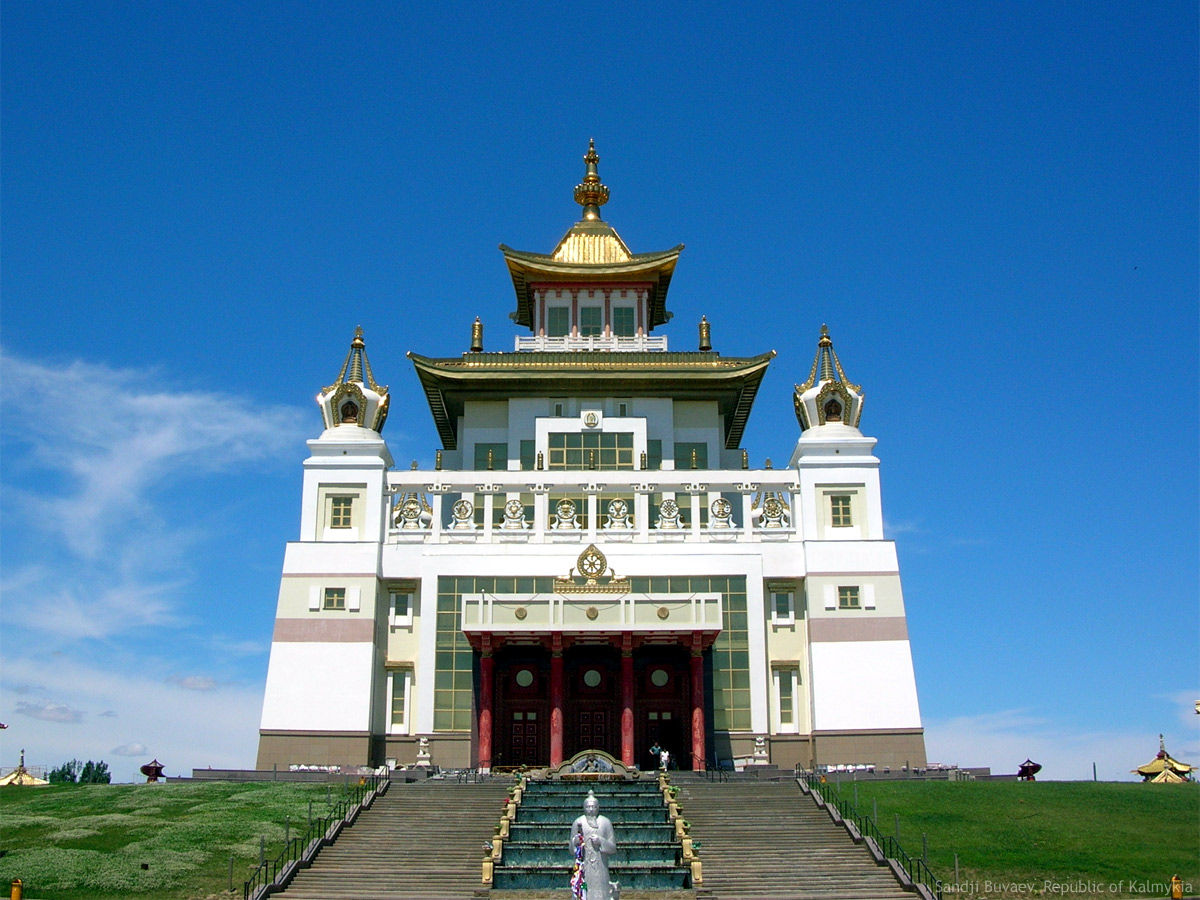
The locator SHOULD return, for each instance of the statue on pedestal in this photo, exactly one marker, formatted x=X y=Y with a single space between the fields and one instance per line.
x=592 y=841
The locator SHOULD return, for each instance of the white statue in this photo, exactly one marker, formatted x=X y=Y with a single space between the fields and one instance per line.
x=592 y=842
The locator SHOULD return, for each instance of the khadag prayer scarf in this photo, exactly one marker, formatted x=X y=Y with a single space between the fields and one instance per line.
x=578 y=885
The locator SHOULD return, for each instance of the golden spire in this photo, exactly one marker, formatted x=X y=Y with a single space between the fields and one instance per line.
x=591 y=194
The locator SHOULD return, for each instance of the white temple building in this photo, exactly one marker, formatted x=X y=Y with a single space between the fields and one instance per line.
x=591 y=563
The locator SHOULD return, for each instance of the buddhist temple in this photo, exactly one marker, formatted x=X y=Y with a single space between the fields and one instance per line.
x=593 y=560
x=1163 y=769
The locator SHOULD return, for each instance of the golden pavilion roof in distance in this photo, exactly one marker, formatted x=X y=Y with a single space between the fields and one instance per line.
x=591 y=251
x=1164 y=769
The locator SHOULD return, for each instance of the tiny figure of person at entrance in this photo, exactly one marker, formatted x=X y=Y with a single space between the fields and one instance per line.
x=664 y=759
x=592 y=841
x=655 y=749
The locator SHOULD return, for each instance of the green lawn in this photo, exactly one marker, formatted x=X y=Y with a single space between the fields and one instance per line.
x=88 y=842
x=1085 y=839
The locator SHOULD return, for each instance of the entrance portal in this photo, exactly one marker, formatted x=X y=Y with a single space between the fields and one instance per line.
x=662 y=704
x=592 y=717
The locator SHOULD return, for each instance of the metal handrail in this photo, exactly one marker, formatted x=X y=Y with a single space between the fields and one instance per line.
x=917 y=868
x=295 y=849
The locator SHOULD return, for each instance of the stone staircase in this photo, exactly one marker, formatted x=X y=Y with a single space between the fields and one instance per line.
x=537 y=858
x=764 y=839
x=421 y=841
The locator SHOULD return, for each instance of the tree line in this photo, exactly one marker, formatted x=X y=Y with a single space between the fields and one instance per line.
x=75 y=772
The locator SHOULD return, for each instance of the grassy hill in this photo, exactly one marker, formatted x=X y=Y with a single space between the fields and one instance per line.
x=88 y=842
x=1076 y=840
x=1043 y=838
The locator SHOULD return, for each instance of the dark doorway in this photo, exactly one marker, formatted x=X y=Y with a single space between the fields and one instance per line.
x=592 y=711
x=521 y=724
x=662 y=705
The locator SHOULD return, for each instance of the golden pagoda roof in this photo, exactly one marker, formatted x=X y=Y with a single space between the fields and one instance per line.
x=22 y=777
x=1163 y=768
x=732 y=382
x=591 y=252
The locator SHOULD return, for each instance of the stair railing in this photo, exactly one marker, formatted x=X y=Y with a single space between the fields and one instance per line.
x=916 y=868
x=269 y=875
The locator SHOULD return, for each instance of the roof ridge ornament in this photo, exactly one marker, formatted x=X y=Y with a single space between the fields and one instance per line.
x=591 y=193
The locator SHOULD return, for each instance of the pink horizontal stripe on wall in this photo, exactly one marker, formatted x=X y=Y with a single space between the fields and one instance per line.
x=329 y=630
x=858 y=628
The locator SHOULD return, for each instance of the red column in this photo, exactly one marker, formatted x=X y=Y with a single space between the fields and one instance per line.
x=697 y=710
x=627 y=752
x=556 y=702
x=487 y=665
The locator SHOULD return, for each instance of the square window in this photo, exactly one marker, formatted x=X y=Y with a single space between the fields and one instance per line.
x=839 y=507
x=491 y=456
x=848 y=598
x=691 y=455
x=335 y=598
x=340 y=510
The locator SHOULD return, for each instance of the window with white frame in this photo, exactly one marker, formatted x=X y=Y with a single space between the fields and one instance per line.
x=786 y=680
x=401 y=695
x=783 y=604
x=401 y=601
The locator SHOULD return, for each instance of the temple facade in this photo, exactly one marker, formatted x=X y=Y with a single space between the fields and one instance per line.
x=592 y=562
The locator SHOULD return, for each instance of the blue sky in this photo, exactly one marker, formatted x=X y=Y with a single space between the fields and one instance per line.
x=994 y=207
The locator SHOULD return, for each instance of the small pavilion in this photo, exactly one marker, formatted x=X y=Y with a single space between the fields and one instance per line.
x=21 y=776
x=1163 y=769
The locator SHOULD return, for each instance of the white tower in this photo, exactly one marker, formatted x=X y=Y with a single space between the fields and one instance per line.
x=324 y=678
x=862 y=688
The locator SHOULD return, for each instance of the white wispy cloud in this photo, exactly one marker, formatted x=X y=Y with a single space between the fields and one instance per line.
x=104 y=549
x=134 y=748
x=194 y=682
x=49 y=712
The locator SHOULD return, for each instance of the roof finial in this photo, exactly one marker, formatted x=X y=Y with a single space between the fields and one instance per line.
x=591 y=194
x=825 y=352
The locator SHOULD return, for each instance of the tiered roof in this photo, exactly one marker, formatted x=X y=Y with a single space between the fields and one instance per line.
x=591 y=252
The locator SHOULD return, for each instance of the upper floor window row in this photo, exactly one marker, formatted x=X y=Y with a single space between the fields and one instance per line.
x=622 y=322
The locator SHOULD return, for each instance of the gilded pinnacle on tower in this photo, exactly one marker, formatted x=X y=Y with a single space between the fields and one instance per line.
x=591 y=193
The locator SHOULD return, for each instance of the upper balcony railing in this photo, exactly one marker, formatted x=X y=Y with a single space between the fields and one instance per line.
x=582 y=506
x=594 y=342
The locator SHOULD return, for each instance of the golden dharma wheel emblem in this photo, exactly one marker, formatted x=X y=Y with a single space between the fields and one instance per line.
x=592 y=612
x=591 y=562
x=520 y=612
x=663 y=612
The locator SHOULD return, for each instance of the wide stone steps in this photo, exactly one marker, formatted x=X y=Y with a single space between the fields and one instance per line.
x=767 y=840
x=421 y=841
